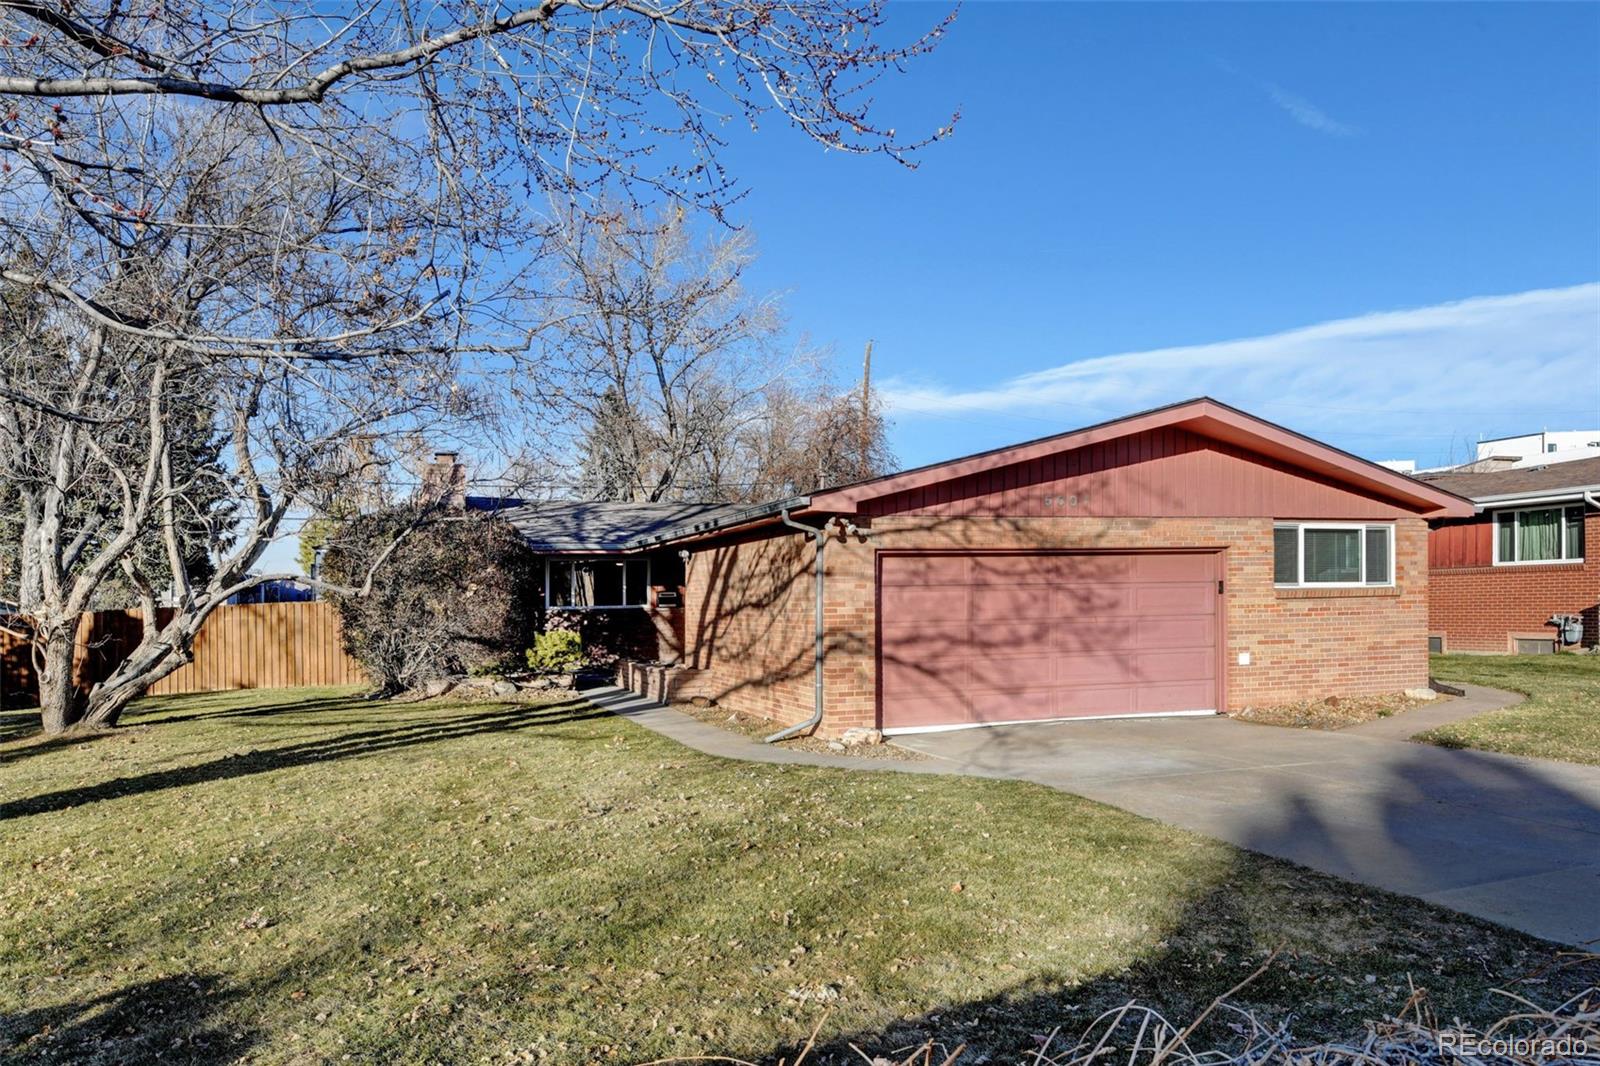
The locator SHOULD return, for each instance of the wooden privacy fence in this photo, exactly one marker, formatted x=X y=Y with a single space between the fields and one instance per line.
x=251 y=645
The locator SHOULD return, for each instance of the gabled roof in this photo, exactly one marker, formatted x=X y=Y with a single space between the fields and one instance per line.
x=1574 y=477
x=567 y=526
x=1203 y=415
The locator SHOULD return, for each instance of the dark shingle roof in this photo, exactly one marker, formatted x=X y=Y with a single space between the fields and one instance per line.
x=570 y=526
x=1556 y=477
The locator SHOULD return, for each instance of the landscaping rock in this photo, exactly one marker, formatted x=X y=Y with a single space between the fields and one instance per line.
x=854 y=738
x=702 y=701
x=504 y=688
x=1420 y=694
x=836 y=745
x=437 y=687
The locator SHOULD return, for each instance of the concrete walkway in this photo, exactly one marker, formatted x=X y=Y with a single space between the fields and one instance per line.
x=1513 y=840
x=1478 y=700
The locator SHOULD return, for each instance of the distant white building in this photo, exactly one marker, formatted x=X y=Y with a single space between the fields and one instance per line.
x=1540 y=449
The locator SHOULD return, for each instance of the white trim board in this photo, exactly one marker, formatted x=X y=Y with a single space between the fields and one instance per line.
x=909 y=729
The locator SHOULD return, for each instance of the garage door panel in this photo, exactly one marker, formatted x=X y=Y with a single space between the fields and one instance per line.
x=1175 y=599
x=939 y=601
x=1175 y=696
x=1089 y=701
x=912 y=712
x=1010 y=671
x=1178 y=631
x=1017 y=637
x=1093 y=669
x=927 y=570
x=1092 y=635
x=1003 y=636
x=927 y=678
x=1011 y=706
x=1196 y=664
x=1092 y=601
x=1006 y=602
x=932 y=633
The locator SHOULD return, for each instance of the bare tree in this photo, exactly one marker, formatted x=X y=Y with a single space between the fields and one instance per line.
x=658 y=353
x=813 y=435
x=314 y=223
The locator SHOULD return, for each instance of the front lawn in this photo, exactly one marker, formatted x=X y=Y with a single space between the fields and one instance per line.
x=1560 y=720
x=303 y=876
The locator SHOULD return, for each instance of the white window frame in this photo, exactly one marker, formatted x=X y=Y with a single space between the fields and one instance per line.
x=1300 y=555
x=624 y=560
x=1500 y=514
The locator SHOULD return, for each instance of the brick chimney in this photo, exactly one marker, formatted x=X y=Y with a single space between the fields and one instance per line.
x=445 y=480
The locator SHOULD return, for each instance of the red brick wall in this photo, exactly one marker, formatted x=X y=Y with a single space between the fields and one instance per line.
x=748 y=625
x=749 y=612
x=1479 y=608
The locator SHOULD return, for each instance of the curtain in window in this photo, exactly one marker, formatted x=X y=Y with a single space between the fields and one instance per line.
x=1575 y=533
x=1506 y=529
x=1333 y=555
x=1540 y=535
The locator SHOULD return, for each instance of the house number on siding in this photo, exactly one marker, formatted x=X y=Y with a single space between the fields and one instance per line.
x=1061 y=501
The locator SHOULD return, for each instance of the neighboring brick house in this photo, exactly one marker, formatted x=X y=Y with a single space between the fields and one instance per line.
x=1187 y=560
x=1531 y=552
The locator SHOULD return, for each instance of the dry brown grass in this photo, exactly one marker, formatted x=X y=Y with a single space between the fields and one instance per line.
x=1530 y=1033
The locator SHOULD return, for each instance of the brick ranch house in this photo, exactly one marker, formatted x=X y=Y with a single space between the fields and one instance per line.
x=1530 y=552
x=1186 y=560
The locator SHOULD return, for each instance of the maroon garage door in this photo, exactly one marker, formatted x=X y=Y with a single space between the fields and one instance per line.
x=998 y=637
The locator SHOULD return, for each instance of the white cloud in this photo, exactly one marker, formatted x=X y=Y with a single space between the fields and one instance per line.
x=1308 y=114
x=1296 y=107
x=1477 y=365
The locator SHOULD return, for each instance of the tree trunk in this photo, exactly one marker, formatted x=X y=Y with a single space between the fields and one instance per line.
x=148 y=664
x=60 y=704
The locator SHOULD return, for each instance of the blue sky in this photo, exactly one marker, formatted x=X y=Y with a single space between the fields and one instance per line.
x=1395 y=207
x=1375 y=223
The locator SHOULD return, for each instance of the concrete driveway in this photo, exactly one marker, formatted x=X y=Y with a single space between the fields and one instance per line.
x=1513 y=840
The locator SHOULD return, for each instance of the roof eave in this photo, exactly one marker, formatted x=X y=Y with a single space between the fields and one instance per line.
x=1576 y=492
x=753 y=516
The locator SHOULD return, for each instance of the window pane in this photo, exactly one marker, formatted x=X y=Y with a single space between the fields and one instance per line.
x=560 y=584
x=1507 y=532
x=1539 y=535
x=607 y=585
x=1377 y=555
x=638 y=587
x=1286 y=555
x=1575 y=533
x=1333 y=555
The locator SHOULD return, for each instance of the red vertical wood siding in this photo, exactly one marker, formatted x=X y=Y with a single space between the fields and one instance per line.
x=1462 y=542
x=1157 y=473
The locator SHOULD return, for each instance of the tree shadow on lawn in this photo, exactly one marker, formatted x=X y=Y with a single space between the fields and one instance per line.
x=155 y=711
x=167 y=1020
x=21 y=738
x=498 y=718
x=1319 y=991
x=1425 y=821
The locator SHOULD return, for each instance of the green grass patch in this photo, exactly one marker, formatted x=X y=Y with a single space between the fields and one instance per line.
x=304 y=876
x=1560 y=720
